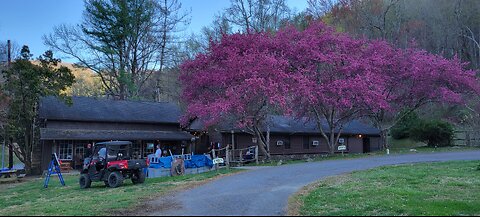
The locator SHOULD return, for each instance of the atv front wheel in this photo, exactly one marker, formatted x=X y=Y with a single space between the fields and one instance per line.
x=85 y=181
x=115 y=179
x=138 y=177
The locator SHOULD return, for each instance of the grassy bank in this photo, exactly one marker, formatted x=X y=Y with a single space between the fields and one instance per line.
x=423 y=189
x=30 y=198
x=404 y=146
x=407 y=145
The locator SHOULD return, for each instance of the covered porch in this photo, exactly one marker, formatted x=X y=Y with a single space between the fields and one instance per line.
x=70 y=144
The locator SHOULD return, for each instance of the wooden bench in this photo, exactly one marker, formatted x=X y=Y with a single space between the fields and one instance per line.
x=65 y=167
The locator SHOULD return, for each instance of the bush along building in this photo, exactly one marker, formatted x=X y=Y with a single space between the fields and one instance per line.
x=293 y=138
x=67 y=129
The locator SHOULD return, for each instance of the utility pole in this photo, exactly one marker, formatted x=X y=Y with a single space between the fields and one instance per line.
x=9 y=52
x=10 y=148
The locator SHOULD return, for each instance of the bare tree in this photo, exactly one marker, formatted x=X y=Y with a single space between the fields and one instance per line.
x=3 y=53
x=124 y=42
x=257 y=15
x=319 y=8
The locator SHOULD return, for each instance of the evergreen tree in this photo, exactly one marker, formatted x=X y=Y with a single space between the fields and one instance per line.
x=25 y=83
x=123 y=41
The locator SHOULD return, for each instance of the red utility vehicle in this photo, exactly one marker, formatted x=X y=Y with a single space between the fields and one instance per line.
x=112 y=163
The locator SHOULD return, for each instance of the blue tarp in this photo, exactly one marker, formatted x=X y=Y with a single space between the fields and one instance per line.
x=164 y=162
x=197 y=161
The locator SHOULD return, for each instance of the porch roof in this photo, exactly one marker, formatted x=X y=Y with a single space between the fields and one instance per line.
x=70 y=134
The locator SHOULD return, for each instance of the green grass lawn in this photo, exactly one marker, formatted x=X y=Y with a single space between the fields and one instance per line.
x=30 y=198
x=431 y=189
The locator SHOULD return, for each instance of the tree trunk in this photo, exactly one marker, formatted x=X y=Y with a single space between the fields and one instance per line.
x=28 y=150
x=384 y=138
x=262 y=148
x=262 y=143
x=123 y=94
x=331 y=143
x=10 y=156
x=28 y=164
x=268 y=139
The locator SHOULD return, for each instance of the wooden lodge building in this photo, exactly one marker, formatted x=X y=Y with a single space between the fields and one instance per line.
x=289 y=136
x=67 y=129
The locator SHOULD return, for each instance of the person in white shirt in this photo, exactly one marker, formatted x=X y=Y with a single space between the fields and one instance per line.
x=158 y=153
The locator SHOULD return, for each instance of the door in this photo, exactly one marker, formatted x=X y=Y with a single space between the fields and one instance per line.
x=366 y=145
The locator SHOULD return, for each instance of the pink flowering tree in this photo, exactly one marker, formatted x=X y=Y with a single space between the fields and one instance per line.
x=413 y=78
x=243 y=78
x=334 y=82
x=339 y=78
x=318 y=73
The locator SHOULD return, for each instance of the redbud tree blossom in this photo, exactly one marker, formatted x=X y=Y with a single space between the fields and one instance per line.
x=242 y=77
x=413 y=78
x=320 y=74
x=335 y=81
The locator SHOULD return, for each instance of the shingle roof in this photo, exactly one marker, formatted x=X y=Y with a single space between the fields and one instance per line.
x=283 y=124
x=68 y=134
x=291 y=125
x=106 y=110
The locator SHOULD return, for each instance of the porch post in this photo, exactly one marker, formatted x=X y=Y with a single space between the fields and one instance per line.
x=227 y=153
x=233 y=141
x=214 y=157
x=256 y=154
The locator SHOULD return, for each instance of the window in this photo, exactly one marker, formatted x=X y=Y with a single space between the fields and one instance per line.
x=79 y=152
x=66 y=150
x=137 y=150
x=149 y=148
x=306 y=142
x=287 y=143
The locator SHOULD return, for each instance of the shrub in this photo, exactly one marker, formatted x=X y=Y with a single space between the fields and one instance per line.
x=401 y=130
x=433 y=132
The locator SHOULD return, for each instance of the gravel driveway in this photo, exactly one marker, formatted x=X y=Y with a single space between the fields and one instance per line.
x=266 y=191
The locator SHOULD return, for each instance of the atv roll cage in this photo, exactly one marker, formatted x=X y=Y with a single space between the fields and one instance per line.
x=113 y=151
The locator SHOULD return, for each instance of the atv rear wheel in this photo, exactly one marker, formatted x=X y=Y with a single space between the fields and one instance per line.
x=85 y=181
x=138 y=177
x=115 y=179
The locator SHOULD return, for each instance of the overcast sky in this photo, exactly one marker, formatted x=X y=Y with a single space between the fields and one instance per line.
x=26 y=21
